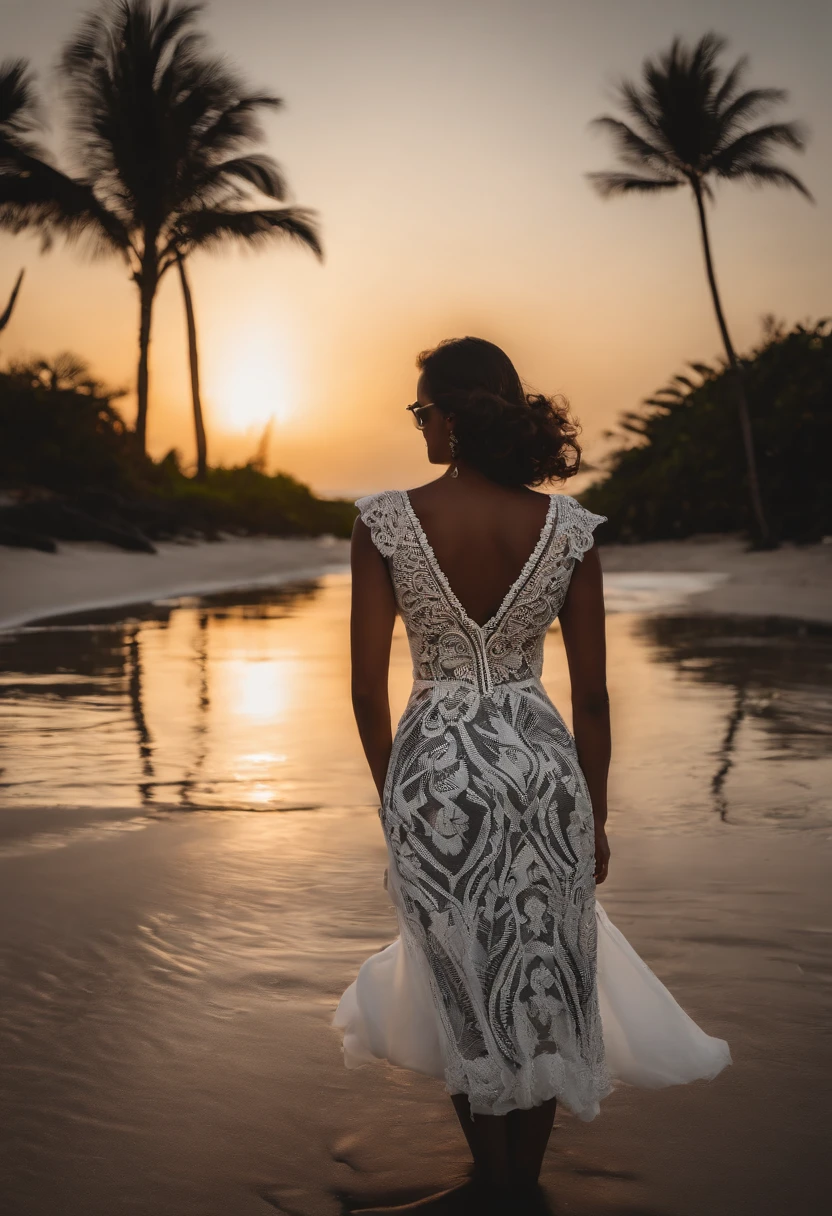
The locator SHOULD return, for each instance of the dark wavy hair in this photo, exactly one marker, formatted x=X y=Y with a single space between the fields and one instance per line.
x=511 y=436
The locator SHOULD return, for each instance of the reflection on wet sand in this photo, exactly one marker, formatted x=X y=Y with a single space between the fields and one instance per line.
x=134 y=661
x=225 y=702
x=779 y=673
x=180 y=705
x=169 y=968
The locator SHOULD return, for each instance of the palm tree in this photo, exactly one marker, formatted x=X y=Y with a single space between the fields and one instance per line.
x=34 y=194
x=689 y=125
x=155 y=125
x=220 y=171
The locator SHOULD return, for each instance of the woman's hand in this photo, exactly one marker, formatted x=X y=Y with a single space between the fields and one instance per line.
x=602 y=854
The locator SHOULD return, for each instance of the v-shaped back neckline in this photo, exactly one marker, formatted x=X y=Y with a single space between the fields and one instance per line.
x=495 y=618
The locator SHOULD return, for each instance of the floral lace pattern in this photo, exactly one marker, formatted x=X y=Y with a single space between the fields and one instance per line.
x=489 y=823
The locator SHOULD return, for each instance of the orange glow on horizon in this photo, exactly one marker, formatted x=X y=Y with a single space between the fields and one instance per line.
x=249 y=382
x=447 y=171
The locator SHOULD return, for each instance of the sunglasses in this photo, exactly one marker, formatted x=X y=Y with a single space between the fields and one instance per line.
x=418 y=411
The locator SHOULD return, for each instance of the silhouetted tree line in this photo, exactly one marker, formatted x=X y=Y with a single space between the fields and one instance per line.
x=676 y=471
x=70 y=470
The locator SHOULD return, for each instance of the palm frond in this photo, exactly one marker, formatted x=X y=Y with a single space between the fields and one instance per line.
x=632 y=148
x=731 y=83
x=762 y=173
x=235 y=124
x=36 y=196
x=165 y=26
x=20 y=109
x=705 y=54
x=608 y=184
x=205 y=228
x=757 y=144
x=642 y=109
x=20 y=119
x=205 y=184
x=260 y=171
x=747 y=105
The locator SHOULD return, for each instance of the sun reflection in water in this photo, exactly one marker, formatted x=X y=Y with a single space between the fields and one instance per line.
x=242 y=701
x=260 y=689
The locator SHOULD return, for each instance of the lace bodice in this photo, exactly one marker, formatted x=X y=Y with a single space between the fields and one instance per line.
x=445 y=643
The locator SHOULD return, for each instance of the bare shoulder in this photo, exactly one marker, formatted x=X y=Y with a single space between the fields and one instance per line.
x=444 y=492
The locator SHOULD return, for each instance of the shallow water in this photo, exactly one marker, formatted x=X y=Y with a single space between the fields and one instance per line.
x=240 y=701
x=171 y=953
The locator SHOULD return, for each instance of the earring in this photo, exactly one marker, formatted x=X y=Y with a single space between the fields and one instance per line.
x=454 y=444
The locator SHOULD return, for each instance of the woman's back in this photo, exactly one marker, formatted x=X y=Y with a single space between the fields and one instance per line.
x=505 y=642
x=481 y=535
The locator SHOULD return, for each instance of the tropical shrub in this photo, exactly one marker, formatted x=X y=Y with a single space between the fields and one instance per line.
x=679 y=467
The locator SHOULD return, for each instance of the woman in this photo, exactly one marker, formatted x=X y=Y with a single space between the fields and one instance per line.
x=507 y=980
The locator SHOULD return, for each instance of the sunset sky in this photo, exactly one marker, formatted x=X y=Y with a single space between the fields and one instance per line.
x=444 y=145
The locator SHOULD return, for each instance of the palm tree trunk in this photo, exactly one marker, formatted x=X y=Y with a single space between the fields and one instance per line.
x=199 y=424
x=739 y=381
x=6 y=317
x=147 y=290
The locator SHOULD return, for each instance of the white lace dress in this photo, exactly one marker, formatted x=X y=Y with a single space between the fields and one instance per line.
x=507 y=979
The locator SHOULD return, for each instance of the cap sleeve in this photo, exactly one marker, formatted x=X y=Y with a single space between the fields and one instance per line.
x=381 y=513
x=578 y=525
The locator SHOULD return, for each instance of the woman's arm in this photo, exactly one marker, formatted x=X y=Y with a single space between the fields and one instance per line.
x=372 y=616
x=582 y=624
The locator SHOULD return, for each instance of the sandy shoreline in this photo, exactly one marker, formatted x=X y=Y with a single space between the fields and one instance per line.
x=81 y=577
x=791 y=581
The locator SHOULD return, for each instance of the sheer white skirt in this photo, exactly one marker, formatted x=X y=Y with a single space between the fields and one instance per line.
x=388 y=1014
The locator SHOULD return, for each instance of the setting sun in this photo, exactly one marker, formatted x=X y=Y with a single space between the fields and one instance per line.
x=249 y=381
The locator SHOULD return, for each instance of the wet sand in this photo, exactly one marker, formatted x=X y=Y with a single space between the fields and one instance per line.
x=170 y=1048
x=186 y=888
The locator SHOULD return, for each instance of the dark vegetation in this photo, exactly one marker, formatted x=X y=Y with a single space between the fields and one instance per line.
x=688 y=125
x=677 y=468
x=70 y=469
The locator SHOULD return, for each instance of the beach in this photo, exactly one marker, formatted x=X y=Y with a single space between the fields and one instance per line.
x=82 y=576
x=791 y=581
x=192 y=872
